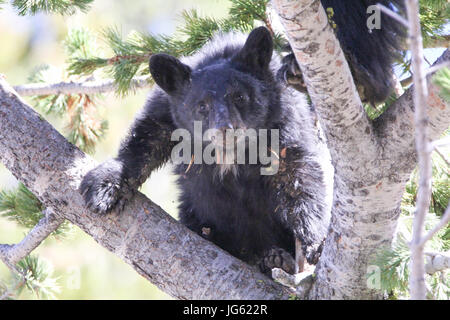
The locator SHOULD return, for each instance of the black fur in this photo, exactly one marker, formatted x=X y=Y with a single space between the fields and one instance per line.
x=232 y=83
x=229 y=83
x=370 y=53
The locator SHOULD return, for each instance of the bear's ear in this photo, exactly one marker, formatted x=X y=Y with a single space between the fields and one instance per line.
x=257 y=51
x=169 y=73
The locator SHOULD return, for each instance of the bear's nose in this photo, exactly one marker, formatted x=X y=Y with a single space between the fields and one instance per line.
x=222 y=118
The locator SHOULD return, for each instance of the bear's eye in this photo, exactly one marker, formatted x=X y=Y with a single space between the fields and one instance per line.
x=239 y=98
x=203 y=107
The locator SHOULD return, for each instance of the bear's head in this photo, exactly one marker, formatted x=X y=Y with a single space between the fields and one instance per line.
x=235 y=91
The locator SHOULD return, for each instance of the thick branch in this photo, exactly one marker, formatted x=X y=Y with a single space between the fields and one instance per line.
x=159 y=248
x=396 y=127
x=87 y=87
x=330 y=85
x=12 y=254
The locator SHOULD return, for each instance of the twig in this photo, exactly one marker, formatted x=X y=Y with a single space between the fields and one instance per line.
x=417 y=277
x=12 y=254
x=393 y=15
x=88 y=87
x=10 y=292
x=442 y=155
x=438 y=66
x=444 y=220
x=427 y=61
x=439 y=143
x=300 y=282
x=407 y=81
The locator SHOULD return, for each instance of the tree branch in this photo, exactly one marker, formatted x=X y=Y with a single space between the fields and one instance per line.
x=396 y=128
x=417 y=277
x=159 y=248
x=12 y=254
x=442 y=155
x=437 y=262
x=87 y=87
x=393 y=15
x=444 y=220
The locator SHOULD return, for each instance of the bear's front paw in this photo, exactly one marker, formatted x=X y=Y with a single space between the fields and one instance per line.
x=103 y=188
x=277 y=258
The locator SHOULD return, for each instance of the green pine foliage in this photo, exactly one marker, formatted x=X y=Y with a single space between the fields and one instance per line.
x=394 y=266
x=84 y=128
x=374 y=112
x=65 y=7
x=440 y=191
x=130 y=54
x=34 y=275
x=434 y=16
x=442 y=79
x=37 y=277
x=394 y=261
x=21 y=206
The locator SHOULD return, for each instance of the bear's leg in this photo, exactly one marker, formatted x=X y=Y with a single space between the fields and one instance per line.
x=112 y=184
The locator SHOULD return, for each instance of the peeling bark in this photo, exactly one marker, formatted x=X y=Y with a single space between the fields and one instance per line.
x=159 y=248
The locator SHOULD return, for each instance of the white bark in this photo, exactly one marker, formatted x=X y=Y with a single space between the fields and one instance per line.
x=417 y=275
x=330 y=83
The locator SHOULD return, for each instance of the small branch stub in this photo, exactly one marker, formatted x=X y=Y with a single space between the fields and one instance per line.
x=12 y=254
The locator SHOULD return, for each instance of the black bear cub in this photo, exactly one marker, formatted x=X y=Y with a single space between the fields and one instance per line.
x=230 y=84
x=237 y=82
